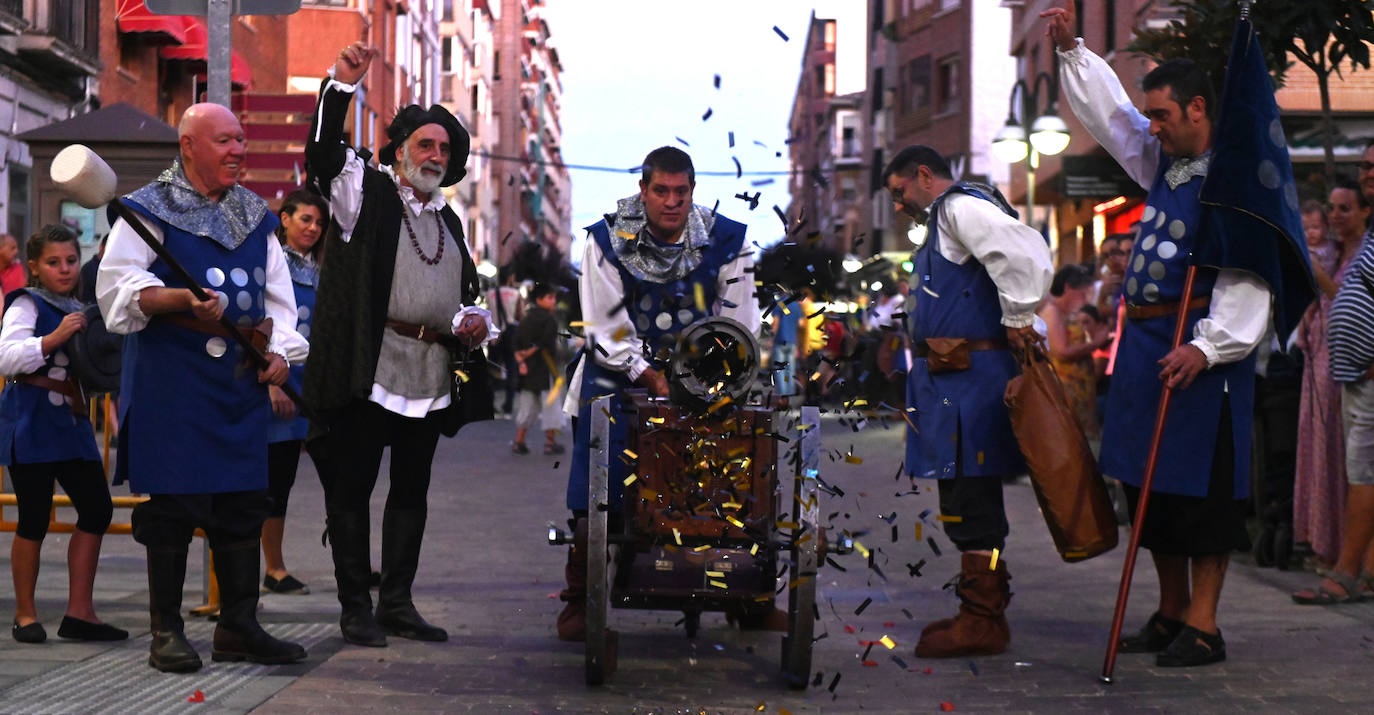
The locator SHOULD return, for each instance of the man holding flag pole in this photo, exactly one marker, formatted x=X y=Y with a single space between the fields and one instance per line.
x=1217 y=248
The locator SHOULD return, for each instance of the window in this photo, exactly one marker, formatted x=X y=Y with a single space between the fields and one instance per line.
x=446 y=55
x=828 y=84
x=496 y=65
x=918 y=80
x=476 y=107
x=1109 y=23
x=820 y=79
x=949 y=85
x=877 y=89
x=448 y=11
x=830 y=36
x=848 y=143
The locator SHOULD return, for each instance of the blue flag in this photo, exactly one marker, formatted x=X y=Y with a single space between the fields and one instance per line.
x=1249 y=198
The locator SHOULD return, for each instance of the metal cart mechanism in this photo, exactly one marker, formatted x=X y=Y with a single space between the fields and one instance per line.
x=701 y=521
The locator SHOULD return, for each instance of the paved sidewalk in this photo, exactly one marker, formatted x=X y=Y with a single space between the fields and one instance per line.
x=488 y=577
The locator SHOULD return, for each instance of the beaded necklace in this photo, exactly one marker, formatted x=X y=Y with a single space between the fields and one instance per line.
x=415 y=243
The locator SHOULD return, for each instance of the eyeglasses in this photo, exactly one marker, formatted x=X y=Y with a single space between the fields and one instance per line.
x=899 y=192
x=1366 y=166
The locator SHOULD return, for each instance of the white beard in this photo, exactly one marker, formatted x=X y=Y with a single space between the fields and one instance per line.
x=421 y=181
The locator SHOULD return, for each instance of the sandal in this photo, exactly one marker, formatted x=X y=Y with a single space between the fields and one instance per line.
x=1192 y=647
x=1324 y=596
x=1153 y=637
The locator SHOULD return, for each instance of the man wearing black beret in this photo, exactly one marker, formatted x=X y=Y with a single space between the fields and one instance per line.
x=395 y=307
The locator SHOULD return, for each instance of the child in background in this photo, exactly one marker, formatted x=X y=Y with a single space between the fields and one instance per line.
x=43 y=440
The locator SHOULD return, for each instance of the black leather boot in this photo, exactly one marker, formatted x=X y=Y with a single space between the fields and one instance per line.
x=348 y=541
x=403 y=532
x=170 y=652
x=238 y=635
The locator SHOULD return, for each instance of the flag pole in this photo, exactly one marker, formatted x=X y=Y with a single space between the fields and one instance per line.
x=1151 y=460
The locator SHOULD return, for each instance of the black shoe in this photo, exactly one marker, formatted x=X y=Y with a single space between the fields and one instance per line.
x=361 y=629
x=32 y=633
x=288 y=585
x=255 y=646
x=77 y=629
x=405 y=622
x=1154 y=636
x=170 y=653
x=1193 y=647
x=1263 y=546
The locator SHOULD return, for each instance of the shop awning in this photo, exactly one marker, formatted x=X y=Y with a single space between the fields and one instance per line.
x=196 y=47
x=133 y=17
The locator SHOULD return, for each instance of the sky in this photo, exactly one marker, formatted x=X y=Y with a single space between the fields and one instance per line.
x=639 y=74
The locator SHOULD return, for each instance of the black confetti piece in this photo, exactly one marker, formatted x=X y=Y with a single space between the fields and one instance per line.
x=732 y=140
x=900 y=663
x=867 y=650
x=894 y=533
x=602 y=351
x=781 y=216
x=555 y=465
x=908 y=615
x=914 y=570
x=714 y=207
x=717 y=81
x=784 y=37
x=922 y=516
x=683 y=141
x=739 y=170
x=834 y=565
x=933 y=546
x=862 y=606
x=707 y=115
x=836 y=680
x=820 y=678
x=506 y=237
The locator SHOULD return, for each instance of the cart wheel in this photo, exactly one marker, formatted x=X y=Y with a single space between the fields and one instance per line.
x=801 y=587
x=599 y=651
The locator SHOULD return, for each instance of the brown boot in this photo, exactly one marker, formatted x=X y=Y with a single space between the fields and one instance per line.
x=980 y=628
x=572 y=621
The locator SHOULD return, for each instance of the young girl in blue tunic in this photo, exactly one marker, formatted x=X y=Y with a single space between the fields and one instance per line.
x=43 y=441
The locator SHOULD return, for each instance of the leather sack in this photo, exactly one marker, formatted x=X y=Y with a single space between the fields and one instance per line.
x=947 y=355
x=1063 y=471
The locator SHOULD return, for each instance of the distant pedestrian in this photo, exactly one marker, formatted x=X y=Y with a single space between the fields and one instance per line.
x=11 y=268
x=43 y=441
x=536 y=356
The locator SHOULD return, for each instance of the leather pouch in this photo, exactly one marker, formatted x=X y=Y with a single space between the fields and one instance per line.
x=947 y=355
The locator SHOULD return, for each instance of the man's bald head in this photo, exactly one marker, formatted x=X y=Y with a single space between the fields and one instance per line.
x=213 y=148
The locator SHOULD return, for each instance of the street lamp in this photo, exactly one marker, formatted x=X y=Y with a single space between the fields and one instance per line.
x=1025 y=139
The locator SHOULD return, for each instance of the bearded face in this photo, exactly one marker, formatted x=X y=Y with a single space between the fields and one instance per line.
x=423 y=158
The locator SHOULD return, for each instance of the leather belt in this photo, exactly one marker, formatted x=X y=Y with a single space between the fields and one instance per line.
x=423 y=333
x=1145 y=312
x=258 y=334
x=920 y=349
x=69 y=388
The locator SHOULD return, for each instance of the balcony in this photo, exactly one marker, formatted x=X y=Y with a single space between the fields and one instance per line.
x=63 y=38
x=12 y=17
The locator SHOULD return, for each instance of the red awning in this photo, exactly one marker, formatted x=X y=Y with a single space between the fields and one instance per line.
x=196 y=47
x=135 y=18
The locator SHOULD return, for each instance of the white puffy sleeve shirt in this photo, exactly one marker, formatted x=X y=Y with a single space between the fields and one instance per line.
x=1233 y=327
x=1015 y=255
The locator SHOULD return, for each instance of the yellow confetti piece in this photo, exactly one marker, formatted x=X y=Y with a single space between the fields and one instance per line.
x=630 y=480
x=761 y=707
x=555 y=392
x=700 y=296
x=735 y=521
x=580 y=324
x=888 y=642
x=992 y=563
x=717 y=584
x=731 y=505
x=630 y=453
x=1075 y=554
x=918 y=531
x=787 y=525
x=657 y=420
x=948 y=519
x=784 y=711
x=701 y=548
x=980 y=457
x=718 y=404
x=753 y=549
x=677 y=536
x=852 y=459
x=860 y=548
x=625 y=234
x=816 y=375
x=648 y=494
x=621 y=334
x=715 y=574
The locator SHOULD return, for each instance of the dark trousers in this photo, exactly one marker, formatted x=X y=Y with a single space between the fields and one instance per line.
x=282 y=460
x=1276 y=432
x=83 y=480
x=977 y=501
x=167 y=521
x=350 y=455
